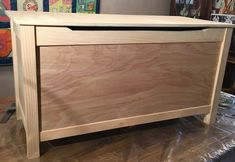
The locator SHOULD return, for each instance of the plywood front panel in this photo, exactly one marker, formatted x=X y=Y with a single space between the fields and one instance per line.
x=93 y=83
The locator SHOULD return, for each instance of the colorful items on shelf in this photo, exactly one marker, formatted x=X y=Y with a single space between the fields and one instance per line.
x=60 y=5
x=86 y=6
x=224 y=6
x=191 y=8
x=80 y=6
x=30 y=5
x=4 y=5
x=5 y=34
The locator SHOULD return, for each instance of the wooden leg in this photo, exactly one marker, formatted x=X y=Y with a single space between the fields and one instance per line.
x=224 y=50
x=28 y=54
x=15 y=70
x=33 y=146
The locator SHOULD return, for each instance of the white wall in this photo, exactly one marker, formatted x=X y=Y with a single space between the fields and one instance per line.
x=135 y=7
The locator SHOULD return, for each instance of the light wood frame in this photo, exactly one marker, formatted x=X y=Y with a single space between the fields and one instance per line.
x=24 y=54
x=224 y=50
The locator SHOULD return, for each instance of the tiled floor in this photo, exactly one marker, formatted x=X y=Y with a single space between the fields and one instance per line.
x=186 y=140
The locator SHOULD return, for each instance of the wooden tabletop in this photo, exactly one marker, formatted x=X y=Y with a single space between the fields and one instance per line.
x=78 y=19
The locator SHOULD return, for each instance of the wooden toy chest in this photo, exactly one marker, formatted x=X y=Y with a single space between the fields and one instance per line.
x=77 y=74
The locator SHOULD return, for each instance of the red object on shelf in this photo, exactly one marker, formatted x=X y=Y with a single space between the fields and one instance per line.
x=5 y=42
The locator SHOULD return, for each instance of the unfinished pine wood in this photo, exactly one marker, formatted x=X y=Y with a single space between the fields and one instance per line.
x=224 y=49
x=20 y=77
x=76 y=19
x=16 y=29
x=122 y=122
x=30 y=93
x=93 y=83
x=65 y=36
x=22 y=115
x=15 y=69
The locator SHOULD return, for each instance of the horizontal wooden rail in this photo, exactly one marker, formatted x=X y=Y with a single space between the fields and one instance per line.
x=65 y=36
x=122 y=122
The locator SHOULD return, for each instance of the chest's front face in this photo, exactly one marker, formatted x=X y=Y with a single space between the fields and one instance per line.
x=97 y=75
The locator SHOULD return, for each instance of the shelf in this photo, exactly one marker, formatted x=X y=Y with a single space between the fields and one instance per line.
x=231 y=59
x=229 y=90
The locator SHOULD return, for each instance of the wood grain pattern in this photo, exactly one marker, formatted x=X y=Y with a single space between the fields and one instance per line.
x=224 y=50
x=64 y=36
x=75 y=19
x=93 y=83
x=121 y=122
x=15 y=69
x=30 y=93
x=22 y=115
x=20 y=76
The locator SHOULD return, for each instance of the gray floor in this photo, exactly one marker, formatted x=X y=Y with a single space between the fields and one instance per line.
x=6 y=82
